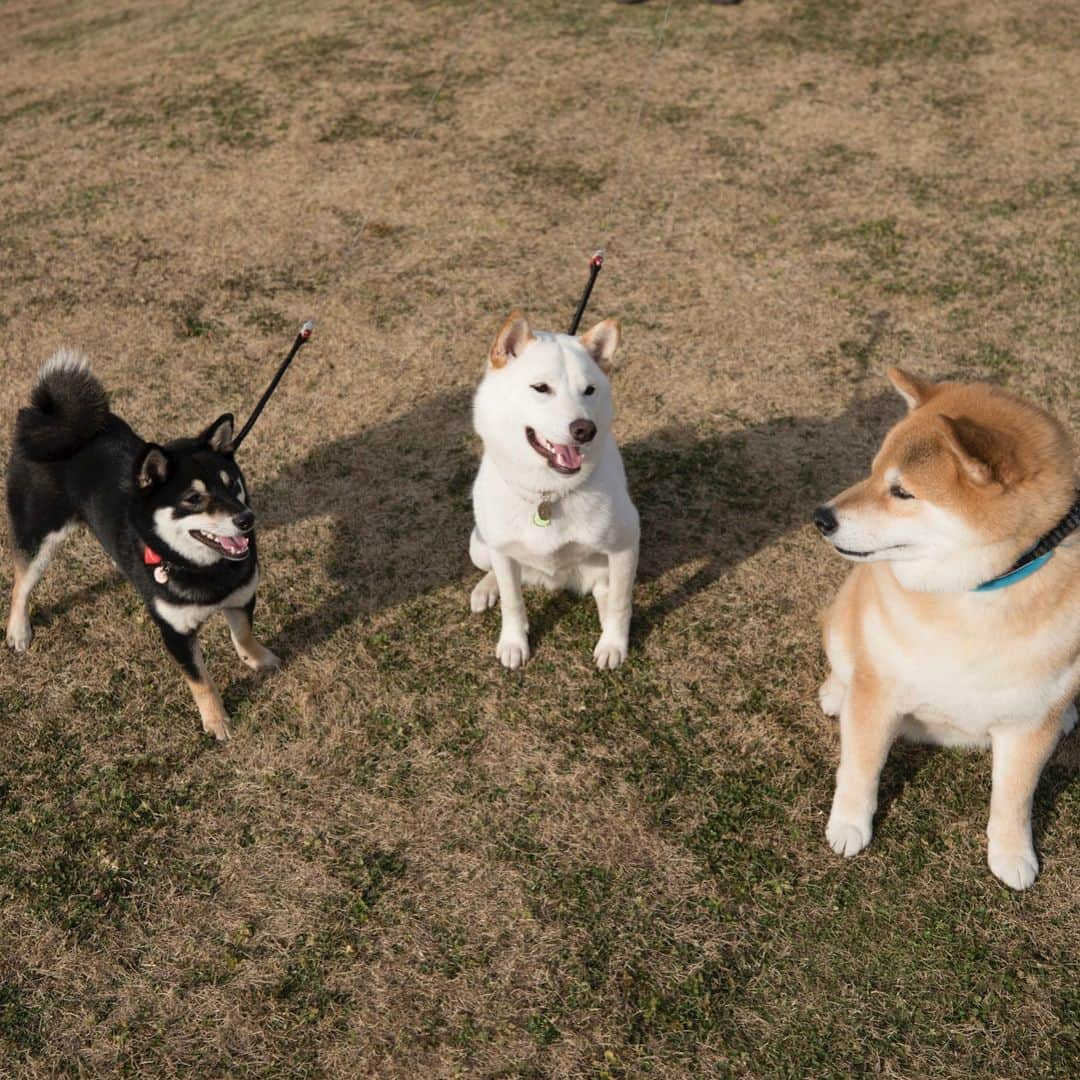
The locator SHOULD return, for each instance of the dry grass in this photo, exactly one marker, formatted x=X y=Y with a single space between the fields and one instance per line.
x=410 y=863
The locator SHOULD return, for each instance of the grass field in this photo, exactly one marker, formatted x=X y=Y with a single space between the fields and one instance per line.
x=409 y=862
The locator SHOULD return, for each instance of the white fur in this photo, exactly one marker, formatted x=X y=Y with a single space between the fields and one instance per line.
x=65 y=359
x=187 y=618
x=931 y=549
x=956 y=689
x=176 y=532
x=19 y=631
x=591 y=544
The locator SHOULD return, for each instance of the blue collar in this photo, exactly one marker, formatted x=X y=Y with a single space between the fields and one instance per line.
x=1036 y=557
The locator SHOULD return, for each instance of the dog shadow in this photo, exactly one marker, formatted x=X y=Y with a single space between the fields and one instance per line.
x=1062 y=771
x=397 y=497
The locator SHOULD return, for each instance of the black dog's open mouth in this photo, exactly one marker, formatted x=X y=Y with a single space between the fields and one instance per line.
x=562 y=458
x=232 y=547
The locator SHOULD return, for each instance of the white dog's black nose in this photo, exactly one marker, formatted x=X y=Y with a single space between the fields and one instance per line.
x=825 y=520
x=583 y=431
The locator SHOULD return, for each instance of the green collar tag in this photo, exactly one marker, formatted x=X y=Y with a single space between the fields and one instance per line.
x=542 y=515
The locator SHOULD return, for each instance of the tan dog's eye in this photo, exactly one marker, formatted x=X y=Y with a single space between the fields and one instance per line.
x=897 y=492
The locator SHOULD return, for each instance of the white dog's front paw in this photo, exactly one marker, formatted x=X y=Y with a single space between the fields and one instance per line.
x=19 y=635
x=846 y=835
x=609 y=653
x=512 y=651
x=485 y=594
x=831 y=696
x=1017 y=869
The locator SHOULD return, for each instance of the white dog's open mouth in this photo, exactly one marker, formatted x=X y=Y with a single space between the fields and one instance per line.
x=562 y=458
x=232 y=547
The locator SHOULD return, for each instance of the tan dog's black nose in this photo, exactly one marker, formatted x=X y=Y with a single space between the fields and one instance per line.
x=245 y=521
x=825 y=520
x=583 y=430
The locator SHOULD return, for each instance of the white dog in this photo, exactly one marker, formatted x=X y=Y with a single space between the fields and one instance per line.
x=550 y=499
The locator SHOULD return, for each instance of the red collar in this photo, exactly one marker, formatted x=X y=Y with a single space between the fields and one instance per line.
x=151 y=557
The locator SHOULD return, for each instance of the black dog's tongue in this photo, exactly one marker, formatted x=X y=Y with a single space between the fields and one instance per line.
x=234 y=545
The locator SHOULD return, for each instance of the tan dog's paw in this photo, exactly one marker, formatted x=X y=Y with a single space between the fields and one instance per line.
x=485 y=594
x=218 y=727
x=831 y=695
x=847 y=838
x=19 y=636
x=1017 y=869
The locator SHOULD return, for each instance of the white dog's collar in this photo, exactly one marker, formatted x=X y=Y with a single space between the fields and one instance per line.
x=542 y=514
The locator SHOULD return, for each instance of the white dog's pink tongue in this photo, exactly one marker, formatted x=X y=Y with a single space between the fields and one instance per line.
x=234 y=545
x=567 y=457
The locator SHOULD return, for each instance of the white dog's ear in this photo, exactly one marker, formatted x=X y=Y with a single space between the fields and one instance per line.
x=984 y=456
x=911 y=388
x=601 y=342
x=511 y=340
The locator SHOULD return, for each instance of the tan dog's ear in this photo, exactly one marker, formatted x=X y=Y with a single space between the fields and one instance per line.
x=511 y=339
x=913 y=390
x=984 y=456
x=601 y=342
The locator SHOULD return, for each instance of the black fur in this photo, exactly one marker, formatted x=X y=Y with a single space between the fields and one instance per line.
x=75 y=461
x=68 y=407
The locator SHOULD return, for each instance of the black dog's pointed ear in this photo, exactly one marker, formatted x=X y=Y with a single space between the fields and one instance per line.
x=151 y=467
x=219 y=435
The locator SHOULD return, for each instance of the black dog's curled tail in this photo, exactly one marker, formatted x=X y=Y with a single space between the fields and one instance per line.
x=68 y=407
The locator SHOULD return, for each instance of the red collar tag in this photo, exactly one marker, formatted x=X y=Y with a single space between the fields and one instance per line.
x=151 y=557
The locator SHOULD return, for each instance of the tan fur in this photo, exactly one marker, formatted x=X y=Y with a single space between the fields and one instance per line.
x=257 y=657
x=514 y=334
x=936 y=661
x=215 y=719
x=19 y=602
x=602 y=341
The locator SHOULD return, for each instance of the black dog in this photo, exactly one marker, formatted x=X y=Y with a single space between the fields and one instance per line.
x=173 y=518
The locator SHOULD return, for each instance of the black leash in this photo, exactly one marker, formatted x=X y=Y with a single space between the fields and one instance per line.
x=596 y=264
x=301 y=339
x=1066 y=526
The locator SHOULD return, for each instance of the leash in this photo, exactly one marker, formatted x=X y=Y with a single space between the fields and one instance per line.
x=596 y=264
x=301 y=339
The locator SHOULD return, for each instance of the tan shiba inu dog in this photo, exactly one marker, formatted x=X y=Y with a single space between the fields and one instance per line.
x=962 y=625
